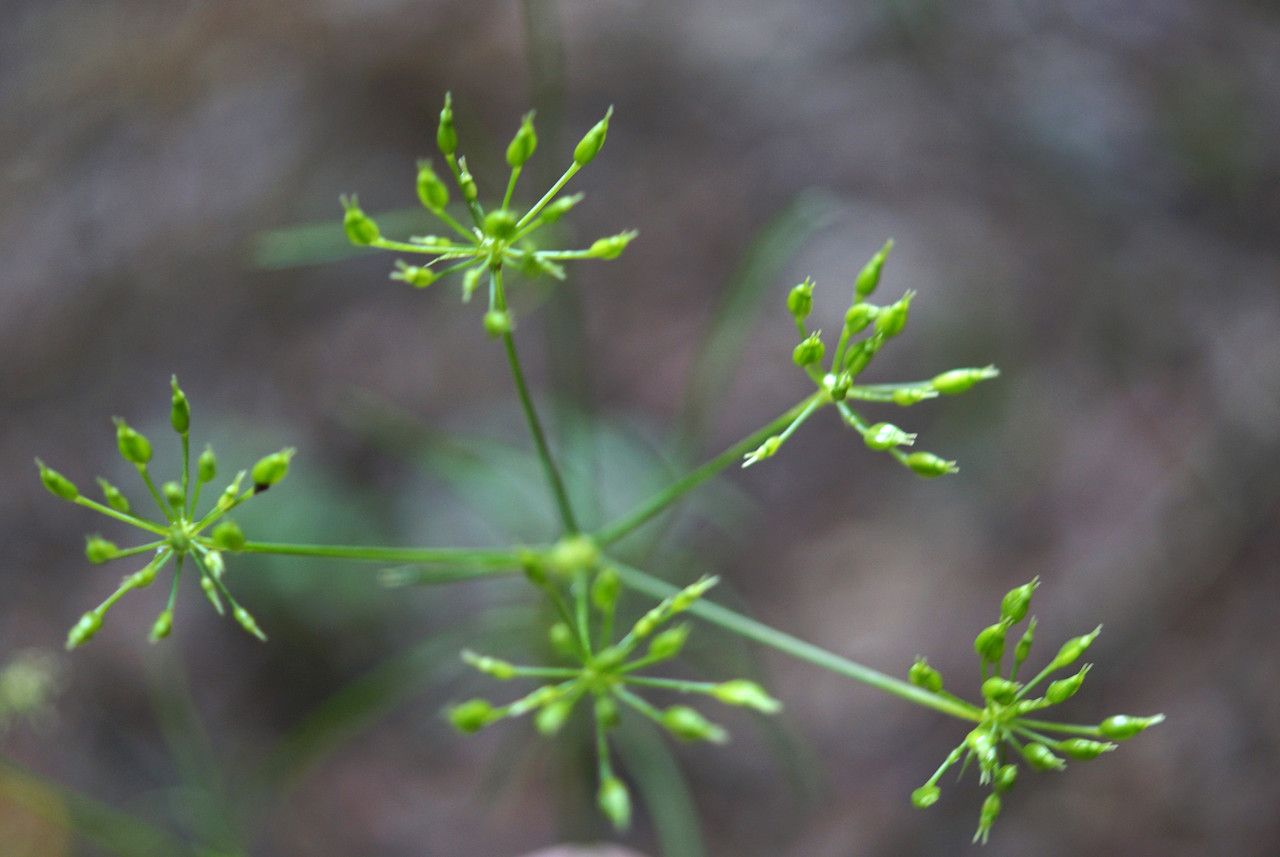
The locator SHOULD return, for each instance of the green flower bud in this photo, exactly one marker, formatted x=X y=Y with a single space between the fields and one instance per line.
x=467 y=182
x=213 y=562
x=765 y=450
x=134 y=448
x=909 y=396
x=1122 y=727
x=607 y=712
x=417 y=276
x=960 y=380
x=471 y=281
x=246 y=621
x=58 y=485
x=1084 y=749
x=501 y=670
x=163 y=626
x=99 y=550
x=893 y=318
x=114 y=498
x=858 y=316
x=501 y=224
x=590 y=144
x=615 y=802
x=497 y=322
x=472 y=716
x=83 y=631
x=611 y=247
x=558 y=209
x=669 y=643
x=1000 y=690
x=1014 y=605
x=689 y=725
x=1023 y=648
x=605 y=589
x=271 y=469
x=747 y=694
x=1005 y=777
x=1075 y=647
x=210 y=590
x=143 y=577
x=206 y=465
x=562 y=640
x=228 y=536
x=882 y=436
x=432 y=192
x=172 y=493
x=523 y=144
x=869 y=277
x=360 y=227
x=1062 y=690
x=800 y=300
x=1042 y=758
x=573 y=553
x=925 y=796
x=446 y=136
x=685 y=598
x=551 y=718
x=923 y=675
x=989 y=644
x=983 y=746
x=180 y=414
x=810 y=351
x=860 y=354
x=987 y=817
x=928 y=465
x=838 y=385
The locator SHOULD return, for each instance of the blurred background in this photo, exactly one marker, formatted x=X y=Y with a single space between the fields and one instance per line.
x=1086 y=194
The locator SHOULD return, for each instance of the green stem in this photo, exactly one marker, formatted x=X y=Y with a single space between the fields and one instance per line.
x=428 y=249
x=678 y=685
x=795 y=647
x=664 y=498
x=134 y=551
x=1065 y=728
x=450 y=221
x=155 y=494
x=499 y=561
x=511 y=186
x=82 y=500
x=549 y=195
x=186 y=467
x=531 y=417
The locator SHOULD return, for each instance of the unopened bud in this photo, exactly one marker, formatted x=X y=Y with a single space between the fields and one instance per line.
x=558 y=209
x=959 y=380
x=1062 y=690
x=858 y=316
x=765 y=450
x=611 y=247
x=989 y=644
x=470 y=282
x=133 y=447
x=1023 y=648
x=271 y=469
x=923 y=675
x=909 y=396
x=983 y=746
x=892 y=319
x=360 y=227
x=669 y=643
x=591 y=143
x=228 y=536
x=497 y=322
x=1014 y=605
x=689 y=725
x=83 y=631
x=747 y=694
x=493 y=667
x=432 y=192
x=501 y=224
x=58 y=485
x=1000 y=690
x=1084 y=749
x=467 y=182
x=417 y=276
x=925 y=796
x=809 y=352
x=552 y=717
x=800 y=300
x=114 y=498
x=446 y=136
x=615 y=802
x=882 y=436
x=928 y=465
x=180 y=413
x=207 y=465
x=1075 y=647
x=523 y=144
x=246 y=621
x=987 y=817
x=1042 y=758
x=605 y=589
x=1005 y=777
x=562 y=640
x=210 y=590
x=1122 y=727
x=472 y=716
x=869 y=277
x=163 y=626
x=172 y=493
x=98 y=550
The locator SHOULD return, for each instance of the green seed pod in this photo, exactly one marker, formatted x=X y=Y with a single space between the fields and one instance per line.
x=210 y=590
x=810 y=351
x=923 y=675
x=180 y=413
x=172 y=493
x=98 y=550
x=1023 y=648
x=213 y=562
x=669 y=643
x=882 y=436
x=493 y=667
x=1014 y=605
x=765 y=450
x=417 y=276
x=989 y=644
x=607 y=712
x=1000 y=690
x=983 y=746
x=58 y=485
x=892 y=319
x=523 y=144
x=558 y=209
x=246 y=621
x=467 y=182
x=228 y=536
x=206 y=465
x=912 y=396
x=747 y=694
x=591 y=143
x=551 y=718
x=860 y=354
x=605 y=589
x=1042 y=758
x=360 y=228
x=1075 y=647
x=134 y=448
x=1084 y=749
x=163 y=626
x=800 y=300
x=925 y=796
x=497 y=322
x=446 y=136
x=83 y=631
x=987 y=817
x=685 y=598
x=928 y=465
x=1005 y=777
x=1062 y=690
x=471 y=281
x=1122 y=727
x=869 y=277
x=562 y=640
x=689 y=725
x=858 y=316
x=611 y=247
x=960 y=380
x=472 y=716
x=114 y=498
x=270 y=469
x=500 y=224
x=143 y=577
x=615 y=802
x=432 y=192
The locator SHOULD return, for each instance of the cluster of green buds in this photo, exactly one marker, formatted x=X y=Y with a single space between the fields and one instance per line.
x=1008 y=725
x=497 y=238
x=28 y=683
x=866 y=329
x=604 y=671
x=179 y=531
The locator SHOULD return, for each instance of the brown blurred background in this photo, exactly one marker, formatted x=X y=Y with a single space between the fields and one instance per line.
x=1086 y=194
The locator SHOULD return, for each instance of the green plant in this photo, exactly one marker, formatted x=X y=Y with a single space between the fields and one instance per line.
x=601 y=669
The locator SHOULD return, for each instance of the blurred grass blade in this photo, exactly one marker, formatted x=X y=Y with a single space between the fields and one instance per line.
x=648 y=760
x=317 y=243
